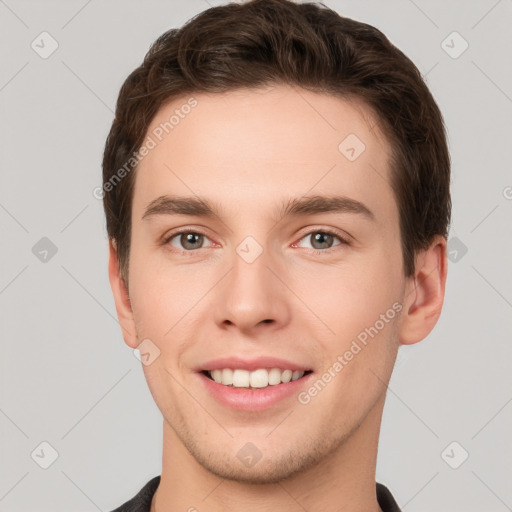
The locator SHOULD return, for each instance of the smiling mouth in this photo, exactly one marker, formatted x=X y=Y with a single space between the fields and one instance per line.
x=257 y=379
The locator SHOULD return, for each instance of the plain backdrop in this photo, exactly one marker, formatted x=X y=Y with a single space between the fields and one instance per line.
x=72 y=390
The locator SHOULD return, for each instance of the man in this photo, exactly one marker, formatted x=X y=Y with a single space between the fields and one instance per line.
x=277 y=199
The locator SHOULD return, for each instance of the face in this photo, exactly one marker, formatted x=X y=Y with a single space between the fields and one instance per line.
x=318 y=286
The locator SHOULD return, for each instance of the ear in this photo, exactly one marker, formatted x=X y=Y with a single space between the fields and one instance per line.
x=424 y=293
x=121 y=298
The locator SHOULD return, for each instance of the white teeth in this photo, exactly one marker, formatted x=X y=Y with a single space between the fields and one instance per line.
x=227 y=376
x=297 y=375
x=286 y=376
x=240 y=379
x=274 y=376
x=260 y=378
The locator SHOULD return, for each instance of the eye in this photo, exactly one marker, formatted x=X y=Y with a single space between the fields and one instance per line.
x=186 y=241
x=322 y=240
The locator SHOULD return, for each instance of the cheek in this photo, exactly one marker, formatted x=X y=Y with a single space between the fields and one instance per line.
x=362 y=311
x=359 y=306
x=353 y=294
x=162 y=294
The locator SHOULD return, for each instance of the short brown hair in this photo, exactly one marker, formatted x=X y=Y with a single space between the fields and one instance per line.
x=265 y=42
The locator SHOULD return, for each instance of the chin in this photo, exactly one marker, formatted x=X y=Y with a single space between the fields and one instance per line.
x=270 y=465
x=270 y=471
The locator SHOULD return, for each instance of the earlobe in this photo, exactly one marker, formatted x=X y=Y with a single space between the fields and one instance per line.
x=424 y=294
x=121 y=298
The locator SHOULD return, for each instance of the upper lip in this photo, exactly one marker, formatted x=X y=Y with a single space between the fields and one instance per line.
x=251 y=364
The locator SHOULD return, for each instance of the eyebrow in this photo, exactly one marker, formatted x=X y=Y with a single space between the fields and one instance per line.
x=201 y=207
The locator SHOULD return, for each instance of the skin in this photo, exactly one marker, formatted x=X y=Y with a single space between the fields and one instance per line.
x=248 y=151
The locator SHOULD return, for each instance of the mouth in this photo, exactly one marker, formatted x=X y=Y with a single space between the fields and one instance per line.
x=254 y=391
x=254 y=385
x=258 y=379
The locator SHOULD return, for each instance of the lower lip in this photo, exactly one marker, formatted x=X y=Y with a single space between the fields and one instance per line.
x=249 y=399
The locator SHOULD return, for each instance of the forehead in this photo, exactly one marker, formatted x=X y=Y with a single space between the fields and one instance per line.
x=255 y=147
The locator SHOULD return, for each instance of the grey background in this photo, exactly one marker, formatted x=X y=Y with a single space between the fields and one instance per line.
x=66 y=376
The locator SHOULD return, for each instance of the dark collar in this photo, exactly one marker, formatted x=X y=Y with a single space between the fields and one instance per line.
x=142 y=501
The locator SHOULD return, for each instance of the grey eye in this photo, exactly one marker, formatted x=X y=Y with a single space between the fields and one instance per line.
x=322 y=240
x=188 y=241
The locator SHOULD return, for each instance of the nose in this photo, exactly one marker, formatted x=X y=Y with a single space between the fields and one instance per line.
x=251 y=297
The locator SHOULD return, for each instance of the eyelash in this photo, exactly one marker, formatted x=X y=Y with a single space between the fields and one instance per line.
x=317 y=252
